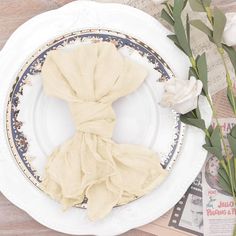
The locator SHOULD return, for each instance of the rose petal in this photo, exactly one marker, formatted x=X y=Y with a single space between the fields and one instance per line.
x=186 y=106
x=229 y=36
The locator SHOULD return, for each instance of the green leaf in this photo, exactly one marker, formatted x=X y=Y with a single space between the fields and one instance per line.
x=199 y=123
x=202 y=69
x=178 y=7
x=215 y=151
x=191 y=114
x=173 y=37
x=206 y=3
x=229 y=184
x=215 y=138
x=198 y=113
x=232 y=167
x=192 y=72
x=188 y=29
x=219 y=25
x=232 y=55
x=231 y=98
x=167 y=17
x=210 y=129
x=202 y=27
x=213 y=145
x=197 y=57
x=232 y=143
x=207 y=139
x=179 y=28
x=233 y=132
x=234 y=164
x=169 y=7
x=207 y=142
x=196 y=5
x=224 y=175
x=194 y=114
x=224 y=185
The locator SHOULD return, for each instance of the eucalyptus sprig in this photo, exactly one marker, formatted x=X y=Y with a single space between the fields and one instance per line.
x=217 y=21
x=214 y=139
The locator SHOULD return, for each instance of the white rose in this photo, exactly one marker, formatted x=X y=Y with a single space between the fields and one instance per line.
x=181 y=95
x=229 y=35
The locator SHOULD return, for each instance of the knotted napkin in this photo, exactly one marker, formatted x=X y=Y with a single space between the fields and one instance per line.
x=90 y=165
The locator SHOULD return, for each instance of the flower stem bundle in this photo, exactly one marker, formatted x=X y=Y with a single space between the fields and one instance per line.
x=215 y=142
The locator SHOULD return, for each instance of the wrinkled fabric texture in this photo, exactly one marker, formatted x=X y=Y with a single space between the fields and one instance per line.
x=90 y=164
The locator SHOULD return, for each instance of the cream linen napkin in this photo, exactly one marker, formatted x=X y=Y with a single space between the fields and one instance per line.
x=90 y=164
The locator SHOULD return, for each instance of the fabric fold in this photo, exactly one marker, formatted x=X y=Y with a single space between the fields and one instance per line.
x=91 y=165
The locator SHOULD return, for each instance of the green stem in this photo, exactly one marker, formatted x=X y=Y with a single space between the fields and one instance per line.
x=228 y=80
x=209 y=14
x=207 y=133
x=193 y=114
x=193 y=62
x=222 y=162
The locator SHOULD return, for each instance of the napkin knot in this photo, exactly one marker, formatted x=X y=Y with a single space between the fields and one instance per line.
x=93 y=117
x=90 y=165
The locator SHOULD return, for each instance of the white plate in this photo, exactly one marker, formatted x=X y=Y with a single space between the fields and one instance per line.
x=140 y=120
x=73 y=17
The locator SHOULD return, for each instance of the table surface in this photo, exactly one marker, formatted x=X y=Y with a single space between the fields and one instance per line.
x=13 y=221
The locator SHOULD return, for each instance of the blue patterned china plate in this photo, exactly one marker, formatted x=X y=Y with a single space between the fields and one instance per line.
x=36 y=124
